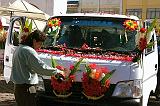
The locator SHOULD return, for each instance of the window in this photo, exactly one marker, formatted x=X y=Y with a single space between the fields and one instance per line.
x=110 y=10
x=16 y=32
x=136 y=12
x=153 y=13
x=97 y=32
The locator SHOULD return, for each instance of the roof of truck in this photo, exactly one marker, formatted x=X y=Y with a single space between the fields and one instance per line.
x=99 y=15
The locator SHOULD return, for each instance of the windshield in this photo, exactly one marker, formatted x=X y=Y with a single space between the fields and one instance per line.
x=96 y=32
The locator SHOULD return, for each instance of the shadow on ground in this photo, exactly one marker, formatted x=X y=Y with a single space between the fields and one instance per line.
x=6 y=93
x=6 y=87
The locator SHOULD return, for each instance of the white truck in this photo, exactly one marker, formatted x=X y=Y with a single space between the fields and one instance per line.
x=102 y=39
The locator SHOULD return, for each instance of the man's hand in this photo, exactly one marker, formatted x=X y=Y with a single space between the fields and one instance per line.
x=60 y=75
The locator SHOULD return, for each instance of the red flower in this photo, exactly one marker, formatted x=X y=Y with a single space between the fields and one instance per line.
x=142 y=30
x=60 y=67
x=85 y=46
x=1 y=26
x=25 y=29
x=63 y=87
x=107 y=83
x=71 y=67
x=142 y=43
x=104 y=70
x=96 y=80
x=92 y=87
x=92 y=66
x=72 y=77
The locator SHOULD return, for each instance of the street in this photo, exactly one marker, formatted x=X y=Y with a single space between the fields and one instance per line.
x=6 y=93
x=7 y=97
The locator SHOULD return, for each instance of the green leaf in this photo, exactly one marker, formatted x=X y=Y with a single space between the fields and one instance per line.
x=76 y=66
x=153 y=25
x=88 y=69
x=54 y=63
x=30 y=26
x=150 y=44
x=107 y=76
x=27 y=22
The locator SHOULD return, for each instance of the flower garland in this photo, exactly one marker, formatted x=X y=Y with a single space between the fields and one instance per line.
x=96 y=81
x=105 y=56
x=62 y=88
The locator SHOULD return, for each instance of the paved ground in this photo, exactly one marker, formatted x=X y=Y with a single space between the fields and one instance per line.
x=6 y=93
x=7 y=96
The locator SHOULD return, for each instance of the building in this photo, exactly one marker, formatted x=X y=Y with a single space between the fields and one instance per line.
x=100 y=6
x=72 y=6
x=144 y=9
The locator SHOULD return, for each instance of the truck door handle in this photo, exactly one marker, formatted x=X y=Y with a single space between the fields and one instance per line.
x=7 y=58
x=156 y=67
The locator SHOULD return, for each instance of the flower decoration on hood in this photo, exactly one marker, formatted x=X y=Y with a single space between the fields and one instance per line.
x=25 y=31
x=130 y=25
x=54 y=23
x=96 y=81
x=143 y=36
x=62 y=88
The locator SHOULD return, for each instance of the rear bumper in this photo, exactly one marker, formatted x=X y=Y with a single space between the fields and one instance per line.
x=46 y=100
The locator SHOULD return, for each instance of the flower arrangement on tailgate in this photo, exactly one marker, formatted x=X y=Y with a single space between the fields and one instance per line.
x=25 y=31
x=62 y=88
x=96 y=81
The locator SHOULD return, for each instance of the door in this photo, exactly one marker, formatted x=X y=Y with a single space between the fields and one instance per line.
x=12 y=42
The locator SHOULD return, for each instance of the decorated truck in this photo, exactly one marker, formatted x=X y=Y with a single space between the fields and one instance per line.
x=109 y=60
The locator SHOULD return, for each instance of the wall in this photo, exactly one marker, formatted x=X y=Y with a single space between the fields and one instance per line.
x=140 y=4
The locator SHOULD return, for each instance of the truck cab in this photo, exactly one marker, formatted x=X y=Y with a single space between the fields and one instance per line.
x=102 y=39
